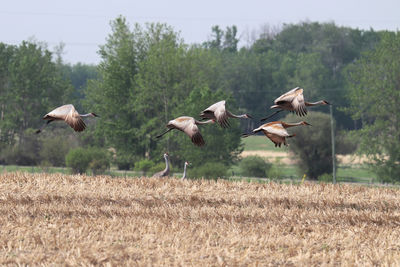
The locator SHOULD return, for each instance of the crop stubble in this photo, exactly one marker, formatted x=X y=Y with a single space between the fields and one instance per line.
x=82 y=220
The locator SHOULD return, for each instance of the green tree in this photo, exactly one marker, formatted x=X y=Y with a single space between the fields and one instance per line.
x=374 y=94
x=312 y=144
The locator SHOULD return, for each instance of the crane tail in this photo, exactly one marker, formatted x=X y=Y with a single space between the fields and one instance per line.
x=273 y=114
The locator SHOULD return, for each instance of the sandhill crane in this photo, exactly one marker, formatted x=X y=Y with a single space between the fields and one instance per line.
x=276 y=131
x=294 y=101
x=184 y=170
x=219 y=113
x=188 y=125
x=164 y=172
x=68 y=114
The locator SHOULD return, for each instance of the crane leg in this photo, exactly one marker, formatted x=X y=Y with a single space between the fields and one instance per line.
x=273 y=114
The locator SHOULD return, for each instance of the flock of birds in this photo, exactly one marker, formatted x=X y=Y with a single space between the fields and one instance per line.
x=292 y=101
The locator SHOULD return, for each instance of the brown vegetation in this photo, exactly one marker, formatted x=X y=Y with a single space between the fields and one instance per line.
x=62 y=219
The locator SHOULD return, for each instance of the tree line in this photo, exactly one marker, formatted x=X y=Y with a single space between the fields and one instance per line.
x=148 y=75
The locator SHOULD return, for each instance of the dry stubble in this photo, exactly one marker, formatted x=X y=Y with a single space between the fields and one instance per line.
x=81 y=220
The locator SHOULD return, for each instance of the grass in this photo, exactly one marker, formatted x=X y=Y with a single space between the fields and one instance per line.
x=57 y=219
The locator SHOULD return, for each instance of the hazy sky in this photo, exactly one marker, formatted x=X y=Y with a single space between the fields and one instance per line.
x=84 y=25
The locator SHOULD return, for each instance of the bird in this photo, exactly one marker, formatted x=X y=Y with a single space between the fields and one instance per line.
x=188 y=125
x=219 y=113
x=164 y=172
x=184 y=170
x=294 y=102
x=276 y=131
x=68 y=114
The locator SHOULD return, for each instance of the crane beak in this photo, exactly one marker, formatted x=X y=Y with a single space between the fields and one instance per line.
x=94 y=115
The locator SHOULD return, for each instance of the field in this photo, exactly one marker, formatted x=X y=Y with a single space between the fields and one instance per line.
x=58 y=219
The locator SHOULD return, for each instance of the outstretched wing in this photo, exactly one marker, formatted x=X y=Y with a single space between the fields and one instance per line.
x=74 y=120
x=221 y=115
x=194 y=133
x=299 y=105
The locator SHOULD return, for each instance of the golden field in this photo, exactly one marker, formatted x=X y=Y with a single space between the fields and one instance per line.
x=55 y=219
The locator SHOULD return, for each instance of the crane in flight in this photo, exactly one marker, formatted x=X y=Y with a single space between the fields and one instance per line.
x=219 y=113
x=276 y=131
x=188 y=125
x=68 y=114
x=294 y=101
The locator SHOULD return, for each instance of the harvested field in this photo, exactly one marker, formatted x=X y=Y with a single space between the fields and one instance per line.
x=81 y=220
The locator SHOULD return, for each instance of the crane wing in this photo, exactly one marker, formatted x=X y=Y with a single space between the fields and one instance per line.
x=288 y=96
x=276 y=129
x=194 y=133
x=299 y=105
x=221 y=116
x=74 y=120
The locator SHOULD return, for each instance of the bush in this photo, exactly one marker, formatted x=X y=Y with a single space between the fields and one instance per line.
x=312 y=144
x=145 y=165
x=209 y=170
x=254 y=166
x=345 y=143
x=25 y=152
x=123 y=162
x=80 y=159
x=100 y=161
x=54 y=149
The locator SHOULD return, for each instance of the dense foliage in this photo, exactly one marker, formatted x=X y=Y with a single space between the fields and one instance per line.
x=374 y=83
x=312 y=144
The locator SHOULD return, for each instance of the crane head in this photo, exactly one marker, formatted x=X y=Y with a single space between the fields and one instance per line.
x=94 y=115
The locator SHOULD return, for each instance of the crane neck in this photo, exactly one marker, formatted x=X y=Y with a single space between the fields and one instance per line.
x=166 y=163
x=287 y=125
x=184 y=172
x=318 y=103
x=204 y=122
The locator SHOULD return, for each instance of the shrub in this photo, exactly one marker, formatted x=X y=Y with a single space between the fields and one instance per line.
x=123 y=162
x=254 y=166
x=209 y=170
x=54 y=149
x=312 y=144
x=145 y=165
x=25 y=152
x=100 y=161
x=80 y=159
x=345 y=143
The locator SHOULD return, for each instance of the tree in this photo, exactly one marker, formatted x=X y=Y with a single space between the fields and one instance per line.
x=374 y=86
x=312 y=144
x=111 y=94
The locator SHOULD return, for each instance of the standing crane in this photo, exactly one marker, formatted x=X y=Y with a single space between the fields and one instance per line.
x=188 y=125
x=294 y=101
x=276 y=131
x=68 y=114
x=164 y=172
x=219 y=113
x=184 y=170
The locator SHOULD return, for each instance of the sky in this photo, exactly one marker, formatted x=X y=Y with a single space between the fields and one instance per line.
x=85 y=24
